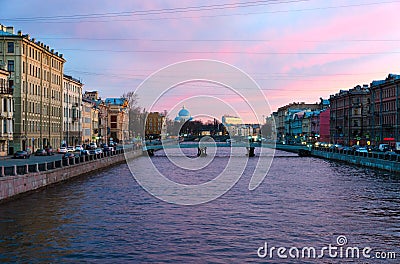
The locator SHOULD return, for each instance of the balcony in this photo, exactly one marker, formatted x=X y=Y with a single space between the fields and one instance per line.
x=4 y=89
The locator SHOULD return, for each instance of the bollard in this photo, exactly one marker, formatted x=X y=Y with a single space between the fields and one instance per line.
x=37 y=167
x=26 y=171
x=15 y=170
x=2 y=171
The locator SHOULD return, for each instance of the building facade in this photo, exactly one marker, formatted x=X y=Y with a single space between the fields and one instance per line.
x=155 y=125
x=385 y=106
x=36 y=77
x=6 y=114
x=350 y=116
x=285 y=113
x=72 y=111
x=87 y=123
x=118 y=120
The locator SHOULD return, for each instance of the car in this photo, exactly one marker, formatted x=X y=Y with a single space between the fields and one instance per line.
x=21 y=154
x=78 y=147
x=362 y=150
x=92 y=152
x=106 y=148
x=70 y=149
x=68 y=155
x=62 y=150
x=93 y=145
x=98 y=151
x=40 y=152
x=49 y=151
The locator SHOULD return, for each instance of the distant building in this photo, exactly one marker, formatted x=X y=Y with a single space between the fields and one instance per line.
x=155 y=125
x=92 y=95
x=183 y=115
x=285 y=113
x=118 y=120
x=231 y=120
x=350 y=116
x=6 y=114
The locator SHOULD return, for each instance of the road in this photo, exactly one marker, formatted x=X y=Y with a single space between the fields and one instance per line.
x=32 y=160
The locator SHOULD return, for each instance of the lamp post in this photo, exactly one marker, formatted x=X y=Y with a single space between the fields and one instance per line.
x=49 y=114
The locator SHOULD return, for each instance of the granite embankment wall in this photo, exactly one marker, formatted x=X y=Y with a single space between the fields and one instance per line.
x=373 y=160
x=55 y=172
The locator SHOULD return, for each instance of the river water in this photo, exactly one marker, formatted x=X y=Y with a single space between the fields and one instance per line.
x=107 y=217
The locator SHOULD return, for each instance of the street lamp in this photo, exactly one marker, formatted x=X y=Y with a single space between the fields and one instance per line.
x=49 y=128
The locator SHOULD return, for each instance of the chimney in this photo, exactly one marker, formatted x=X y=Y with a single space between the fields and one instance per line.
x=19 y=33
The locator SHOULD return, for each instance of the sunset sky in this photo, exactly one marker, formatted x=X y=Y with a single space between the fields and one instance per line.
x=294 y=50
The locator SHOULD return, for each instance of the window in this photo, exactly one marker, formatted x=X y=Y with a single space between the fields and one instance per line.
x=10 y=47
x=10 y=66
x=5 y=104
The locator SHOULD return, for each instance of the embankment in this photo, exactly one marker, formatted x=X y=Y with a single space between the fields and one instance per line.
x=373 y=160
x=29 y=178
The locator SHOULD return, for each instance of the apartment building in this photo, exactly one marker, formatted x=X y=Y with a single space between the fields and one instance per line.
x=36 y=77
x=72 y=110
x=118 y=119
x=6 y=114
x=350 y=116
x=385 y=106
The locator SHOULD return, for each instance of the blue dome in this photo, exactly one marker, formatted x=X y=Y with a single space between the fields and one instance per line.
x=177 y=118
x=183 y=112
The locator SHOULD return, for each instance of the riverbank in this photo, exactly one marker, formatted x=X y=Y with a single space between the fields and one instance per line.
x=40 y=176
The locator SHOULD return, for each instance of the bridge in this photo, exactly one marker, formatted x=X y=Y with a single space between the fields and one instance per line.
x=302 y=150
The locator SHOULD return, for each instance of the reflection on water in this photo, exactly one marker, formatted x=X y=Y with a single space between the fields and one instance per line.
x=107 y=217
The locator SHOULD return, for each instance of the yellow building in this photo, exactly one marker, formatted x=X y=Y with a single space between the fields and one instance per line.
x=87 y=106
x=6 y=114
x=36 y=77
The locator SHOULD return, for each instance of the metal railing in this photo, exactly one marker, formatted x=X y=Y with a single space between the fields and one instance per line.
x=384 y=155
x=53 y=165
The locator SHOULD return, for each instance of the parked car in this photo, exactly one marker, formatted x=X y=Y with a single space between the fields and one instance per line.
x=78 y=147
x=63 y=150
x=21 y=154
x=70 y=149
x=49 y=151
x=384 y=147
x=93 y=145
x=362 y=150
x=68 y=155
x=40 y=152
x=106 y=148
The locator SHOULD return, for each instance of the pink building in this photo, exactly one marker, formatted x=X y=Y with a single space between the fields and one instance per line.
x=324 y=125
